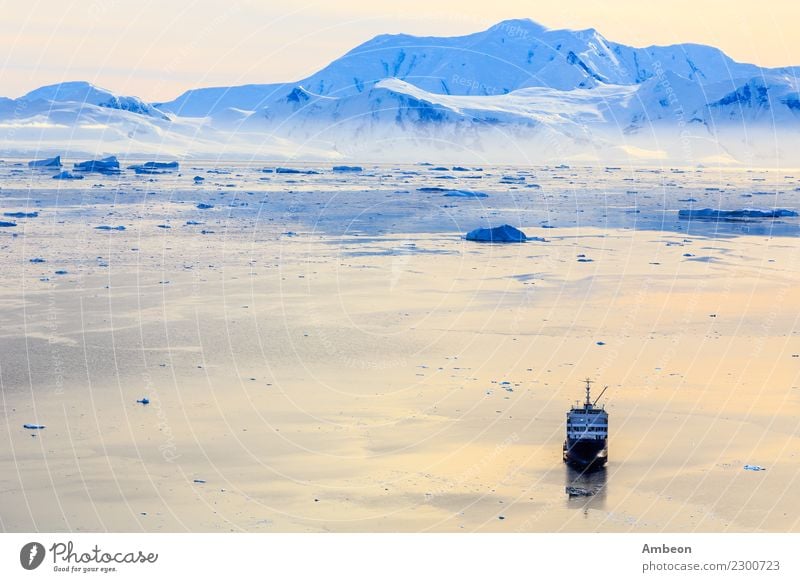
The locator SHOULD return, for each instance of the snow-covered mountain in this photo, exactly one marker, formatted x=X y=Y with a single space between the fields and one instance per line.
x=516 y=90
x=511 y=55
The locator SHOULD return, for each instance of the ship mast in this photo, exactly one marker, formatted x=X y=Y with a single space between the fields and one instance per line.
x=588 y=396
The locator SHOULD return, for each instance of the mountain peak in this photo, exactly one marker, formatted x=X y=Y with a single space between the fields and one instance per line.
x=86 y=93
x=518 y=27
x=65 y=91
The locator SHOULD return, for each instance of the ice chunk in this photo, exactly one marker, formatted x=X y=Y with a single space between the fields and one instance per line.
x=65 y=175
x=574 y=491
x=504 y=233
x=348 y=169
x=46 y=163
x=107 y=227
x=33 y=426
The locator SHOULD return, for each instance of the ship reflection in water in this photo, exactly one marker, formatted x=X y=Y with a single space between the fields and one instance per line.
x=585 y=489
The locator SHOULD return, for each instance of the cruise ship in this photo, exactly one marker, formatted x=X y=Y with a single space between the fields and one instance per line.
x=586 y=446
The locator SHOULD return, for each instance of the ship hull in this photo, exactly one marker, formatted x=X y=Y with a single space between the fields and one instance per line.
x=586 y=454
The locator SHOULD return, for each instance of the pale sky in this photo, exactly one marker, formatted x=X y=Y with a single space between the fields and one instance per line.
x=143 y=48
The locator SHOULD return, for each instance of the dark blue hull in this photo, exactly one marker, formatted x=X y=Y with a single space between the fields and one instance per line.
x=586 y=454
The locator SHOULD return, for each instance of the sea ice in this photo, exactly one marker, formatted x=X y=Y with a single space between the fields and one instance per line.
x=740 y=213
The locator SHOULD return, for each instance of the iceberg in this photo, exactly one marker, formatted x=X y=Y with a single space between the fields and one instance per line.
x=154 y=167
x=505 y=234
x=348 y=169
x=46 y=163
x=109 y=165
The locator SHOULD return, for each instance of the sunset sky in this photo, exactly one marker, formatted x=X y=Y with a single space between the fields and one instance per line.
x=156 y=52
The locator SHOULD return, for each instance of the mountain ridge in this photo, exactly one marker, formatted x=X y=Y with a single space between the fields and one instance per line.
x=582 y=92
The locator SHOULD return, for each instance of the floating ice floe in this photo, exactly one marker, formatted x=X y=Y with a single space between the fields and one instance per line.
x=33 y=426
x=21 y=214
x=466 y=194
x=348 y=169
x=754 y=468
x=740 y=213
x=108 y=227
